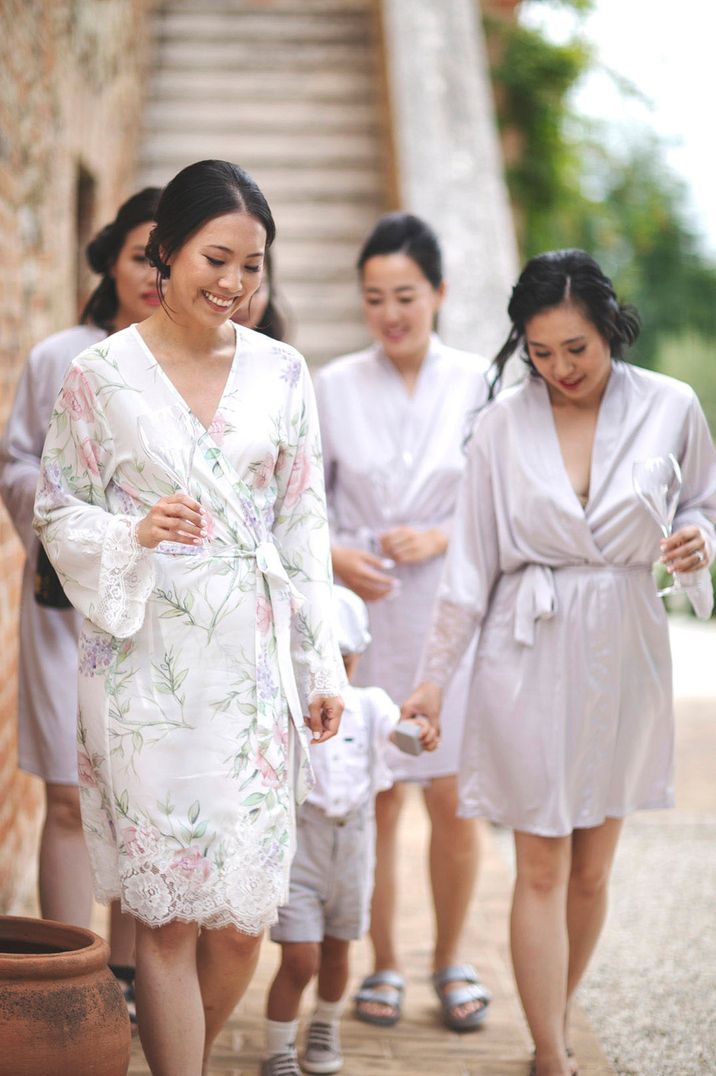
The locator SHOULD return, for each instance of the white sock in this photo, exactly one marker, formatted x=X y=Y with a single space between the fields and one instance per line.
x=281 y=1037
x=328 y=1012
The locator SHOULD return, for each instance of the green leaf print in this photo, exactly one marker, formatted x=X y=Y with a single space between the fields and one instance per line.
x=194 y=811
x=253 y=799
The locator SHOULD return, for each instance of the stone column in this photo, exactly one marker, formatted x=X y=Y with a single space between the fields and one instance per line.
x=449 y=161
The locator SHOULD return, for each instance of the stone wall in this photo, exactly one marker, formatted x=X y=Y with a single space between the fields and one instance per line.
x=71 y=77
x=449 y=160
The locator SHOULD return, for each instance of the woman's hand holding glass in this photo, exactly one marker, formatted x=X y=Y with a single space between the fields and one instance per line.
x=178 y=518
x=684 y=551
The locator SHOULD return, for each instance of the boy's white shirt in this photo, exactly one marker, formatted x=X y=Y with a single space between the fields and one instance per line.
x=351 y=767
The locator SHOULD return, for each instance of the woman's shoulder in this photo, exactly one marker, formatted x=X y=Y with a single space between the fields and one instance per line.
x=62 y=347
x=345 y=367
x=469 y=363
x=276 y=355
x=654 y=383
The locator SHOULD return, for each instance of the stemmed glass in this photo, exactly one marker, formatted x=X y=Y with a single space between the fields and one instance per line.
x=657 y=483
x=168 y=438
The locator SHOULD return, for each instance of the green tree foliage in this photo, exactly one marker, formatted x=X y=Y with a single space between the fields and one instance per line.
x=570 y=187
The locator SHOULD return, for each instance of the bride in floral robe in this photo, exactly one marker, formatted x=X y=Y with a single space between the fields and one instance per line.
x=194 y=539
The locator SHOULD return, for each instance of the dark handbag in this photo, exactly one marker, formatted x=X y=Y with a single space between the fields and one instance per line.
x=48 y=588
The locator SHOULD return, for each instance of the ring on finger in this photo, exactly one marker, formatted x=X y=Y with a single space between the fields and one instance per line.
x=699 y=553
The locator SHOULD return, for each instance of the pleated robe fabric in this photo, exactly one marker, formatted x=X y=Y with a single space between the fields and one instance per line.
x=394 y=459
x=196 y=664
x=47 y=670
x=570 y=714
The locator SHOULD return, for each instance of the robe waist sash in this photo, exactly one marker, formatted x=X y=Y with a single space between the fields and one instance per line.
x=285 y=599
x=536 y=596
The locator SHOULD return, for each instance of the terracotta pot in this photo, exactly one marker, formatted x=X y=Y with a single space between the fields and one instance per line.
x=62 y=1012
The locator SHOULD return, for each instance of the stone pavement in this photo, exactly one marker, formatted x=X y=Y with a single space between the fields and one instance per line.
x=419 y=1044
x=651 y=987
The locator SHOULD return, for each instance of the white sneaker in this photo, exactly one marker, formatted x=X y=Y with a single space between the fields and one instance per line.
x=285 y=1064
x=323 y=1050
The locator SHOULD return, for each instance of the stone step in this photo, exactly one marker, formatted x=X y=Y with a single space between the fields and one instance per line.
x=261 y=59
x=279 y=117
x=202 y=26
x=327 y=260
x=289 y=90
x=349 y=185
x=343 y=84
x=286 y=9
x=321 y=343
x=261 y=151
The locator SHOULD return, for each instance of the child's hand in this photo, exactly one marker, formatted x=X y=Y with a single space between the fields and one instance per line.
x=428 y=734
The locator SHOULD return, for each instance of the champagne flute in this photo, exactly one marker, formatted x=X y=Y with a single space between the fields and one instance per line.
x=168 y=438
x=657 y=483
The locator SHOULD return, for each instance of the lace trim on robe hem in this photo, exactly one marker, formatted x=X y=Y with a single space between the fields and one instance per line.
x=217 y=921
x=126 y=579
x=452 y=629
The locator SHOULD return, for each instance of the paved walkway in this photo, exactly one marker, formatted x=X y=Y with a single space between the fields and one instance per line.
x=419 y=1044
x=651 y=987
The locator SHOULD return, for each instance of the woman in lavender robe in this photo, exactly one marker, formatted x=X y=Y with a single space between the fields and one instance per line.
x=47 y=672
x=393 y=421
x=570 y=722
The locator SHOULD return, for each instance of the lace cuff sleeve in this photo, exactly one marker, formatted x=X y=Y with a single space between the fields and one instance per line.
x=452 y=629
x=325 y=681
x=126 y=578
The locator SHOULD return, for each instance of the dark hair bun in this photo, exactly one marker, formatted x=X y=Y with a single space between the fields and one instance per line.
x=101 y=250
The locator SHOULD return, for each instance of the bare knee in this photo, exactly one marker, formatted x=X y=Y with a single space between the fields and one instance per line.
x=542 y=864
x=63 y=807
x=300 y=961
x=334 y=953
x=239 y=944
x=589 y=881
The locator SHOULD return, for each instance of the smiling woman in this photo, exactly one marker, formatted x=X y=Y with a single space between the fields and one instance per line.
x=181 y=484
x=570 y=718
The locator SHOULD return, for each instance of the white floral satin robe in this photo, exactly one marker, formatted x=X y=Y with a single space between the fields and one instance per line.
x=196 y=663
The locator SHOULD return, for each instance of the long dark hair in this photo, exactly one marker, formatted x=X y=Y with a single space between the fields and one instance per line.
x=403 y=233
x=557 y=277
x=196 y=195
x=102 y=253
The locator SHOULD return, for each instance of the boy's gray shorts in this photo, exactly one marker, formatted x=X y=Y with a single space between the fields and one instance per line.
x=331 y=877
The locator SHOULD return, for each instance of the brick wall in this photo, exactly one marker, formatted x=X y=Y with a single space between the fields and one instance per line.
x=71 y=79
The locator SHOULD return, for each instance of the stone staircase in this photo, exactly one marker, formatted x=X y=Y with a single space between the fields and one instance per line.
x=291 y=91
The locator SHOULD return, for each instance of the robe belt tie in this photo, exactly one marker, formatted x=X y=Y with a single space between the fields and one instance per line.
x=285 y=599
x=537 y=599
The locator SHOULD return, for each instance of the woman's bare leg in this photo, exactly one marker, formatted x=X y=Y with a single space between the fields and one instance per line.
x=170 y=1012
x=121 y=936
x=454 y=856
x=65 y=880
x=540 y=945
x=592 y=858
x=226 y=962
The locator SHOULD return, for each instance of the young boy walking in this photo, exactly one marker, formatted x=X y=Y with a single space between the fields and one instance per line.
x=332 y=873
